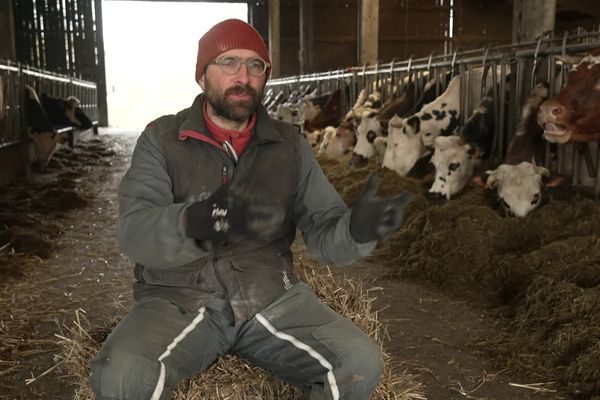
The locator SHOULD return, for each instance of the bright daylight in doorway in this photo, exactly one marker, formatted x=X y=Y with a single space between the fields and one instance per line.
x=150 y=52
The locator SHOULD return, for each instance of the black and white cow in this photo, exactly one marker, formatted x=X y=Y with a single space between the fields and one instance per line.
x=39 y=127
x=441 y=117
x=65 y=112
x=455 y=157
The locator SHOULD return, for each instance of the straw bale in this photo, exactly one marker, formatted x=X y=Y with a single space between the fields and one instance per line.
x=234 y=379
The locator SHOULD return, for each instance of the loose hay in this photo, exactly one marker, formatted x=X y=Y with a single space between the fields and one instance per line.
x=234 y=379
x=540 y=274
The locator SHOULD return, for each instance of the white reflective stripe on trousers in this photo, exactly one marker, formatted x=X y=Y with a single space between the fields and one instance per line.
x=311 y=352
x=160 y=384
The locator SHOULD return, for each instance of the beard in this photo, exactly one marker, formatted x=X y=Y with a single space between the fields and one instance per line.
x=233 y=110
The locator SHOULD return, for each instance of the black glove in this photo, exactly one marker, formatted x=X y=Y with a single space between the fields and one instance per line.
x=216 y=218
x=375 y=218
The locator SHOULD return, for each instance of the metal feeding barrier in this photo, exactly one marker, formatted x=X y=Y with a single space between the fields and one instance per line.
x=14 y=77
x=516 y=68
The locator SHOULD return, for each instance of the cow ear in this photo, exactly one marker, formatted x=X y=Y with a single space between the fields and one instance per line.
x=473 y=152
x=542 y=170
x=491 y=181
x=479 y=180
x=415 y=123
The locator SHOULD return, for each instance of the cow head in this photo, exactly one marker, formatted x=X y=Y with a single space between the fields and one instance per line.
x=314 y=138
x=65 y=112
x=288 y=113
x=366 y=132
x=404 y=147
x=454 y=162
x=44 y=145
x=480 y=128
x=519 y=187
x=39 y=127
x=574 y=113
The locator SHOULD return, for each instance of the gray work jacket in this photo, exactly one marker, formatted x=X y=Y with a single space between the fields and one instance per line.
x=176 y=161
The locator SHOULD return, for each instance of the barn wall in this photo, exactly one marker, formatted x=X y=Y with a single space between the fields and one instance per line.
x=571 y=14
x=413 y=27
x=478 y=24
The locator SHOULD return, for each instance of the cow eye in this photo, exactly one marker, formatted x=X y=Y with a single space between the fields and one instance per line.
x=371 y=135
x=454 y=166
x=536 y=198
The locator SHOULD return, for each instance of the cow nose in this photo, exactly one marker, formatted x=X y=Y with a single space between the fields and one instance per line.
x=552 y=108
x=358 y=160
x=435 y=196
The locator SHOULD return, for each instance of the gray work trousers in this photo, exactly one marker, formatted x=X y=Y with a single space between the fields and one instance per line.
x=296 y=338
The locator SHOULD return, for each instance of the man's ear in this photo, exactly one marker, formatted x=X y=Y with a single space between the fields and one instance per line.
x=201 y=81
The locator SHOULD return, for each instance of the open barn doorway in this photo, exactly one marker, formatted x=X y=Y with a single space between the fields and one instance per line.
x=150 y=49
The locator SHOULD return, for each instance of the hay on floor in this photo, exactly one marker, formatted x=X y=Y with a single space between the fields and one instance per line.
x=234 y=379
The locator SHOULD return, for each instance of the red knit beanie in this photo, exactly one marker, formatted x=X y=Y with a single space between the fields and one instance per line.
x=227 y=35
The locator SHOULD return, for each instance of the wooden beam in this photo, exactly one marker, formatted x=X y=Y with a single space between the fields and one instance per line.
x=100 y=74
x=7 y=31
x=275 y=37
x=306 y=36
x=369 y=31
x=532 y=19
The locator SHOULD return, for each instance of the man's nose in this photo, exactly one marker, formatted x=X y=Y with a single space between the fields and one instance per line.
x=243 y=75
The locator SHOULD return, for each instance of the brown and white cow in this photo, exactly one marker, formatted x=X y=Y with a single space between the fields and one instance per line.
x=574 y=113
x=336 y=142
x=519 y=181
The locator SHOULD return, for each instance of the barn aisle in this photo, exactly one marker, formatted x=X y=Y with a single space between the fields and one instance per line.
x=59 y=255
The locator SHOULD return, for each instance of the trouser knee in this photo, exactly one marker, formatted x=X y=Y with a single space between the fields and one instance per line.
x=359 y=372
x=124 y=377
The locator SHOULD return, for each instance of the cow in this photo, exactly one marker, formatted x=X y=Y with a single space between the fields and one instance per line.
x=65 y=112
x=455 y=157
x=329 y=112
x=519 y=181
x=366 y=132
x=454 y=163
x=39 y=127
x=437 y=118
x=402 y=148
x=397 y=106
x=336 y=142
x=314 y=138
x=519 y=187
x=573 y=115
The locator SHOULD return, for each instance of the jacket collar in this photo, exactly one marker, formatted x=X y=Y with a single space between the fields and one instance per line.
x=264 y=130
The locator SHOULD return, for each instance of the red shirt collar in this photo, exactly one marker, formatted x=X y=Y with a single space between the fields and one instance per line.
x=225 y=134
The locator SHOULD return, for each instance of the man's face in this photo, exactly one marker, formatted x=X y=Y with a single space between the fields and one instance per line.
x=234 y=97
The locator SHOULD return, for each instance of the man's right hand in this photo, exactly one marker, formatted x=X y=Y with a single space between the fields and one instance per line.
x=216 y=218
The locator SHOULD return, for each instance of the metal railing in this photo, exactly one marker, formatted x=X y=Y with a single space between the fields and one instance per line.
x=526 y=63
x=13 y=78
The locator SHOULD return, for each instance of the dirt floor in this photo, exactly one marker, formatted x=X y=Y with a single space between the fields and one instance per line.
x=477 y=306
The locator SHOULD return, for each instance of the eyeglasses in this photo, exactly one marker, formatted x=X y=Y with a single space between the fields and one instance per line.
x=231 y=65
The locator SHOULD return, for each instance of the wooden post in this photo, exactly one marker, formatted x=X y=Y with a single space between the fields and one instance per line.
x=369 y=31
x=306 y=36
x=100 y=73
x=275 y=37
x=7 y=31
x=258 y=17
x=532 y=18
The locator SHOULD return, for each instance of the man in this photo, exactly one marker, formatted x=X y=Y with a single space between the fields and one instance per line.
x=208 y=210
